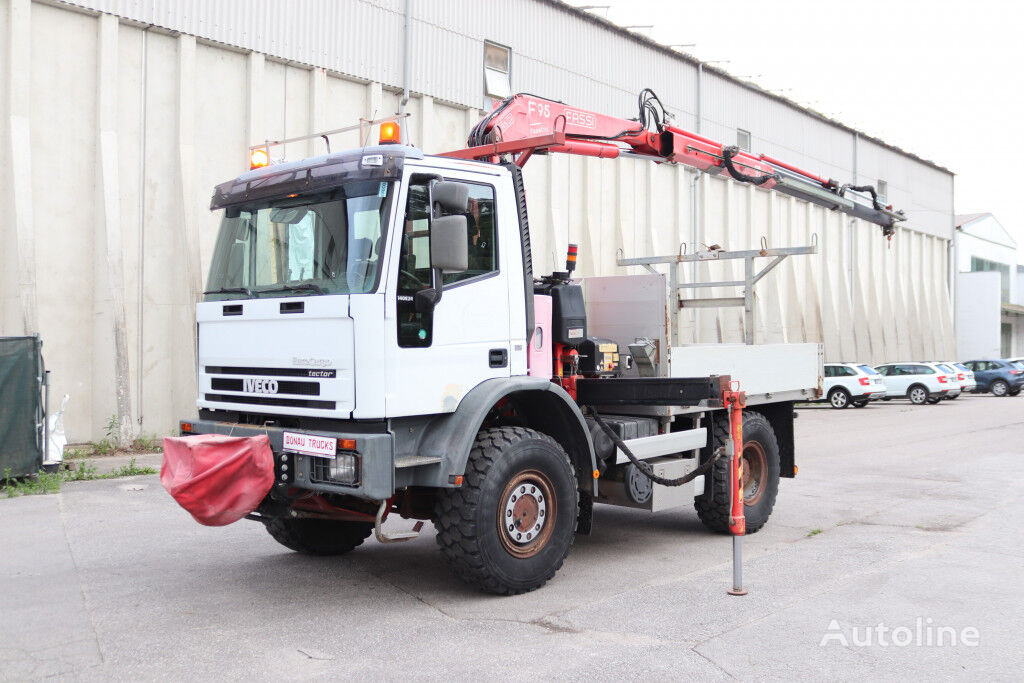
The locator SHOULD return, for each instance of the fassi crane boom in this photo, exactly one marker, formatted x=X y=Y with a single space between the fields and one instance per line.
x=523 y=125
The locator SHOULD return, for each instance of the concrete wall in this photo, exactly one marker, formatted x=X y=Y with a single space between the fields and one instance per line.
x=114 y=134
x=978 y=316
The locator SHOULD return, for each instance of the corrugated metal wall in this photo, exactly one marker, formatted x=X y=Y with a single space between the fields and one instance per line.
x=113 y=137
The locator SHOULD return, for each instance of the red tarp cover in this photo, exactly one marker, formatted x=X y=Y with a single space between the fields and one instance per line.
x=218 y=479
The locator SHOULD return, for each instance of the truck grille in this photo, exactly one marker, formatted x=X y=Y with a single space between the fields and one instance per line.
x=327 y=373
x=272 y=401
x=283 y=386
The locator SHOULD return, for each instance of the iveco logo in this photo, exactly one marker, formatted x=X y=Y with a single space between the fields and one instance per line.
x=260 y=386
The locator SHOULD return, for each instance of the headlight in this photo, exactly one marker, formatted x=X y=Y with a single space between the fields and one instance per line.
x=344 y=469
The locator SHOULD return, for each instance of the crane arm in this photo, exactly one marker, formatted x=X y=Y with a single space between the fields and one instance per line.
x=523 y=125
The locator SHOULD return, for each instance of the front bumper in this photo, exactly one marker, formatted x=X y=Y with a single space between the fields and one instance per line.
x=376 y=471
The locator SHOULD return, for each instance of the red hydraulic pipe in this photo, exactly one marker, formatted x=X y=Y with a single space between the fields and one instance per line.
x=587 y=148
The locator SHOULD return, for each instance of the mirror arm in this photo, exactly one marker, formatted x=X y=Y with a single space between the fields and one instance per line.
x=427 y=299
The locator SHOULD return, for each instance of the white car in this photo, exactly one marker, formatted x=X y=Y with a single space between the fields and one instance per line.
x=852 y=383
x=920 y=383
x=964 y=376
x=951 y=379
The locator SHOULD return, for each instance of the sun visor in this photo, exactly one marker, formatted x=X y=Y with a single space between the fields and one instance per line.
x=310 y=175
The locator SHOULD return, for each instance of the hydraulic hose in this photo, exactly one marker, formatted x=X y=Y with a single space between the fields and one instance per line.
x=727 y=154
x=870 y=189
x=645 y=468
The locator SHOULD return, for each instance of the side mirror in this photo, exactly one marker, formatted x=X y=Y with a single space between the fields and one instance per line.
x=449 y=244
x=451 y=196
x=449 y=253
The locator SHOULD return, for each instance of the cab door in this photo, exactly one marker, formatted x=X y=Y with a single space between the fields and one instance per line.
x=438 y=356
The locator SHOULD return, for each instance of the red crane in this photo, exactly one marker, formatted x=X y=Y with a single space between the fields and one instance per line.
x=523 y=125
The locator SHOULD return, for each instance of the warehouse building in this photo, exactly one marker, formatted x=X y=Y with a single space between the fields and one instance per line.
x=990 y=289
x=121 y=116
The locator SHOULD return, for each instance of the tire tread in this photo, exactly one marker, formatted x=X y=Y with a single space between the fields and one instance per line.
x=455 y=512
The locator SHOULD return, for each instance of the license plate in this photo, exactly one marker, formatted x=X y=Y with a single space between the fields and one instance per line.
x=310 y=444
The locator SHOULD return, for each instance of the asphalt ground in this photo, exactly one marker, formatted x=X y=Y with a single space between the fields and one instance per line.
x=903 y=517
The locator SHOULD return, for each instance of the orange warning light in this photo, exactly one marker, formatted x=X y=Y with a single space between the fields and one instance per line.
x=390 y=132
x=258 y=158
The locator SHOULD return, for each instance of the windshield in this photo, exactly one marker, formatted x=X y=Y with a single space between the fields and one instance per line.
x=325 y=244
x=868 y=369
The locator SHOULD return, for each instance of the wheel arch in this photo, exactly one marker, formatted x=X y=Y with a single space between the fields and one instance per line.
x=545 y=406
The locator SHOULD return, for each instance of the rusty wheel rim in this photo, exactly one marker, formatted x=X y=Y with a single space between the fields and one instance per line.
x=755 y=466
x=527 y=510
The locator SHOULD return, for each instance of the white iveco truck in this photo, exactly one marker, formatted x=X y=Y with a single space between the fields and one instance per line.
x=375 y=313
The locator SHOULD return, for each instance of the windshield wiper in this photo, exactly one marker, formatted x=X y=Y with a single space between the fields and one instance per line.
x=233 y=290
x=306 y=287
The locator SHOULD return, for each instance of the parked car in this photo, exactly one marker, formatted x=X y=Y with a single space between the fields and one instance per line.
x=951 y=379
x=917 y=382
x=966 y=377
x=1001 y=377
x=853 y=384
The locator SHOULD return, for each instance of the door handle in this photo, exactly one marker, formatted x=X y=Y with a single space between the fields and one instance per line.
x=497 y=358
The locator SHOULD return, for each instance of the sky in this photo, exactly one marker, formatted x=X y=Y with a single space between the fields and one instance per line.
x=943 y=80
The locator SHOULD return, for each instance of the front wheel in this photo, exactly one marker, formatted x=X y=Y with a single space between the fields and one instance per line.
x=319 y=536
x=839 y=398
x=1014 y=392
x=760 y=480
x=511 y=524
x=1000 y=388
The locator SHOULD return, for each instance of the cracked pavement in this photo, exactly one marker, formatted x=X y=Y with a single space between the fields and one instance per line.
x=917 y=508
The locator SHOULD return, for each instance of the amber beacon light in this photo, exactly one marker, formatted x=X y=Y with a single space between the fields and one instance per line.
x=258 y=158
x=390 y=133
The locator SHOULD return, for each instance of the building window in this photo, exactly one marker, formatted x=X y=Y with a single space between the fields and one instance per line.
x=883 y=192
x=743 y=139
x=980 y=264
x=497 y=67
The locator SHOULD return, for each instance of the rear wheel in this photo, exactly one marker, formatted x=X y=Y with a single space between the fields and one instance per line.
x=319 y=536
x=917 y=395
x=760 y=479
x=1014 y=392
x=512 y=523
x=933 y=400
x=1000 y=388
x=839 y=398
x=859 y=404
